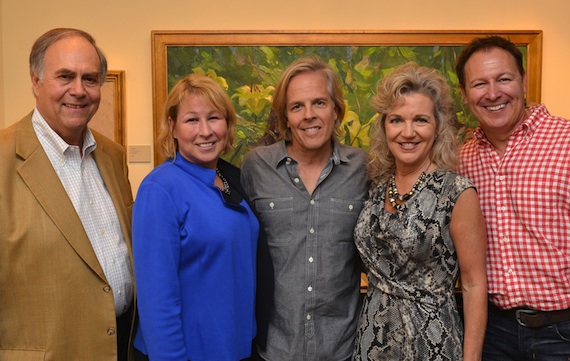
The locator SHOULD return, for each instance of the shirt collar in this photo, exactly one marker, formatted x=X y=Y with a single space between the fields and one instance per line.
x=41 y=126
x=339 y=154
x=525 y=129
x=206 y=175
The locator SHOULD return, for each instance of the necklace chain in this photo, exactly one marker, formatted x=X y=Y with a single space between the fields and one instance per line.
x=393 y=194
x=226 y=189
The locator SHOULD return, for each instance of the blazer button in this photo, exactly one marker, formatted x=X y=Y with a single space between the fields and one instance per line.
x=107 y=289
x=111 y=332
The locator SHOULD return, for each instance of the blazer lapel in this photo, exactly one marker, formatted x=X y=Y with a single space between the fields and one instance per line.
x=43 y=182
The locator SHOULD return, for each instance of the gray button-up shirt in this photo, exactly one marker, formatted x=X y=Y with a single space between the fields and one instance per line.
x=310 y=238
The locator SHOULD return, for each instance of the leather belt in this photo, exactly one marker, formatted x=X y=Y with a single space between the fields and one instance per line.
x=532 y=318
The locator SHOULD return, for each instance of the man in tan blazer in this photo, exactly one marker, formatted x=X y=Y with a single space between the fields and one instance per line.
x=66 y=284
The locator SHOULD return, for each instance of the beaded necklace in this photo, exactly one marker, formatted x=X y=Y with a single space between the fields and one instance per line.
x=226 y=189
x=393 y=194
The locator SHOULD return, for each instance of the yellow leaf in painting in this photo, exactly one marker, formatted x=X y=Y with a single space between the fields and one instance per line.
x=354 y=132
x=254 y=98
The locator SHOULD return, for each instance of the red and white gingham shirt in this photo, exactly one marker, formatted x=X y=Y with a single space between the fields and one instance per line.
x=525 y=198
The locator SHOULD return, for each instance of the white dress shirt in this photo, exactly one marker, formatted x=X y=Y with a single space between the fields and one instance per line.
x=85 y=187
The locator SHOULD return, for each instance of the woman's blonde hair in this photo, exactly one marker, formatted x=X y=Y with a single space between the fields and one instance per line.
x=198 y=85
x=408 y=79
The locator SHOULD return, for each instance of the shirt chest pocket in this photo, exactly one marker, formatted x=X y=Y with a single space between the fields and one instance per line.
x=343 y=216
x=276 y=217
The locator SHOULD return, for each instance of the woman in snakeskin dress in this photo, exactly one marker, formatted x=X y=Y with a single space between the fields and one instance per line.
x=419 y=230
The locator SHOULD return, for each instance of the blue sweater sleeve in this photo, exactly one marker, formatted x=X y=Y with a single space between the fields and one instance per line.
x=156 y=249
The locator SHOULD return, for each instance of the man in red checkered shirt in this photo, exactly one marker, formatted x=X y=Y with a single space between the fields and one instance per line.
x=519 y=160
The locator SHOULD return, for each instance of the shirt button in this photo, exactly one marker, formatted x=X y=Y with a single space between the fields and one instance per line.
x=308 y=317
x=311 y=259
x=312 y=201
x=312 y=230
x=288 y=161
x=310 y=288
x=107 y=289
x=296 y=180
x=271 y=205
x=350 y=207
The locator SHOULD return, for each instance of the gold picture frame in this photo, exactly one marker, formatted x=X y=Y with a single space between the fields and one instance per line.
x=109 y=119
x=162 y=40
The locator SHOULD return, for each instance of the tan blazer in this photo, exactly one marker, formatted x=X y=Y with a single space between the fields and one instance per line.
x=55 y=303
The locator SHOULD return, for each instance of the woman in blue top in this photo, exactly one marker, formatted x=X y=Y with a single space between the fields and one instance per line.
x=194 y=236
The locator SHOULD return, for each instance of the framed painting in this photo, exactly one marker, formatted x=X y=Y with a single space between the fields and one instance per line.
x=110 y=116
x=248 y=64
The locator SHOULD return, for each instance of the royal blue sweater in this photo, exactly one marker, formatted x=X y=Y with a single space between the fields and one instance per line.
x=195 y=256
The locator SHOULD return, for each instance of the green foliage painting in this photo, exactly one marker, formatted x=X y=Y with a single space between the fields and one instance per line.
x=249 y=74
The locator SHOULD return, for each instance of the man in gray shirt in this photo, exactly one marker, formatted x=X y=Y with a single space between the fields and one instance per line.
x=307 y=190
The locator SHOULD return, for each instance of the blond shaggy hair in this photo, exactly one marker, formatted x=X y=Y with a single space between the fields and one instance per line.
x=309 y=64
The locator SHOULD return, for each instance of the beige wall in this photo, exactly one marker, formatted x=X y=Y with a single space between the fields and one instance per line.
x=122 y=29
x=1 y=70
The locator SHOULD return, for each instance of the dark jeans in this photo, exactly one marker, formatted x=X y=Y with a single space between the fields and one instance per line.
x=506 y=340
x=123 y=333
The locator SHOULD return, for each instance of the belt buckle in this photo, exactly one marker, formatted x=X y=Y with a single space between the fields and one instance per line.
x=519 y=313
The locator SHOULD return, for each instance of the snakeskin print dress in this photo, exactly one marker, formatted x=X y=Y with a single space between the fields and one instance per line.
x=409 y=312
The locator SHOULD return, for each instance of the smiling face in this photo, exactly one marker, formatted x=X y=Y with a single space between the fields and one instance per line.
x=311 y=114
x=68 y=93
x=410 y=131
x=494 y=90
x=200 y=130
